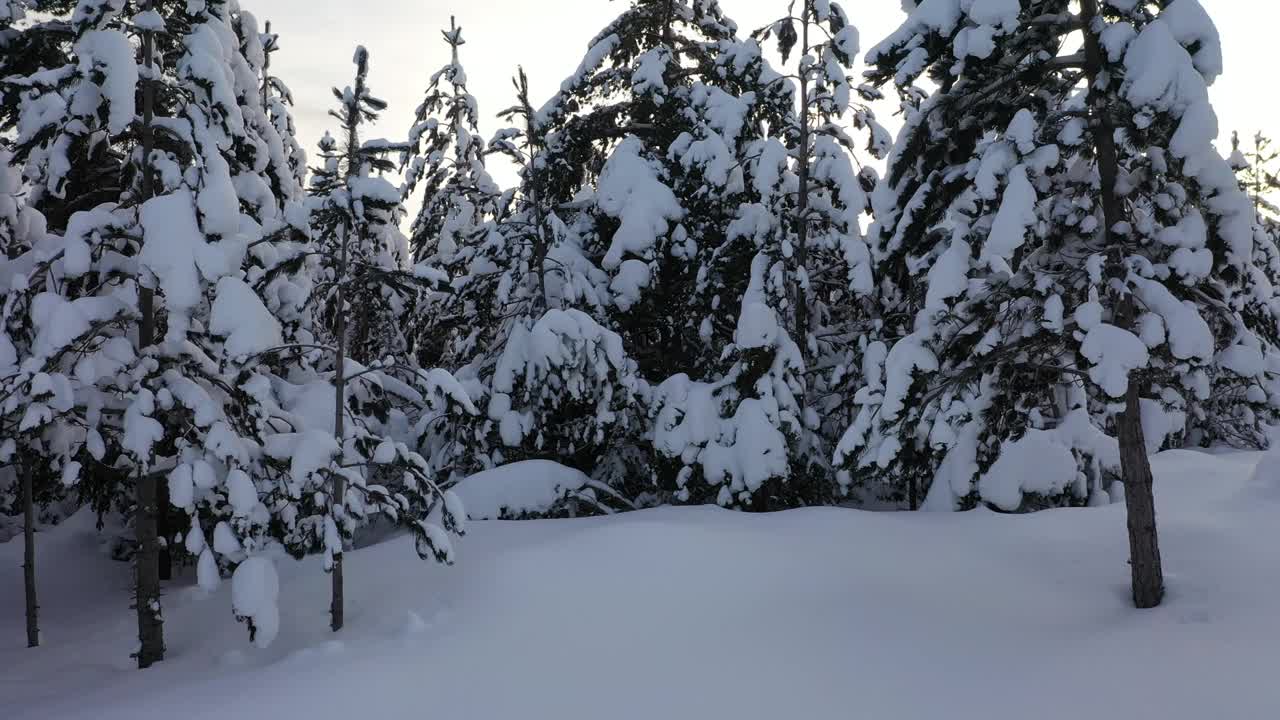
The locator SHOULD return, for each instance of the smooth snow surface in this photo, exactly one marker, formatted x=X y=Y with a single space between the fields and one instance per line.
x=703 y=613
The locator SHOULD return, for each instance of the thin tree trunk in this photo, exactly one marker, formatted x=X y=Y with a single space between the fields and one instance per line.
x=267 y=51
x=163 y=530
x=336 y=503
x=1257 y=174
x=336 y=509
x=336 y=614
x=147 y=558
x=802 y=201
x=542 y=246
x=29 y=555
x=1144 y=547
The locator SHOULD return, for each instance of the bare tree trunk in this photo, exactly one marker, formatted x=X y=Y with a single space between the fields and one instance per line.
x=29 y=555
x=336 y=615
x=163 y=530
x=1144 y=547
x=147 y=558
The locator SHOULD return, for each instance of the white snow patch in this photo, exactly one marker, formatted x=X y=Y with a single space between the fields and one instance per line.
x=529 y=486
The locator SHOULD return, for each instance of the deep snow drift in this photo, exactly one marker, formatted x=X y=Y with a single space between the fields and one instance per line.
x=708 y=614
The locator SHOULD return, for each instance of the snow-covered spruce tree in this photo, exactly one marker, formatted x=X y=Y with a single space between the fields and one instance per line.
x=353 y=223
x=1230 y=413
x=446 y=157
x=1055 y=262
x=556 y=383
x=203 y=393
x=1257 y=183
x=822 y=274
x=67 y=115
x=444 y=165
x=277 y=98
x=647 y=157
x=44 y=420
x=378 y=252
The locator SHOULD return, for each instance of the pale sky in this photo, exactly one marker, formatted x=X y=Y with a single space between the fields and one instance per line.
x=549 y=38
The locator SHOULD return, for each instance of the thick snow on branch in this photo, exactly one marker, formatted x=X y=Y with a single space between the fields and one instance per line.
x=631 y=191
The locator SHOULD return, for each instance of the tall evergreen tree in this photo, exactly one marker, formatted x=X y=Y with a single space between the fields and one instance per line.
x=444 y=165
x=446 y=157
x=807 y=220
x=38 y=416
x=635 y=170
x=364 y=274
x=1056 y=264
x=556 y=383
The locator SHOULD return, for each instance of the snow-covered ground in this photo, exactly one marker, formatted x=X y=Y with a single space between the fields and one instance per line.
x=708 y=614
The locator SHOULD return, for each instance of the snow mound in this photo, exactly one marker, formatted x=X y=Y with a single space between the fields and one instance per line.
x=529 y=486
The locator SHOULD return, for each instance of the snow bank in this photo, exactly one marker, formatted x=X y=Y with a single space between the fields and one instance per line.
x=530 y=486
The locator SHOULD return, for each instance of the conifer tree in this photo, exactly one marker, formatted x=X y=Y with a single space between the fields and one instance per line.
x=808 y=221
x=445 y=156
x=636 y=167
x=557 y=384
x=1047 y=254
x=444 y=165
x=364 y=273
x=36 y=403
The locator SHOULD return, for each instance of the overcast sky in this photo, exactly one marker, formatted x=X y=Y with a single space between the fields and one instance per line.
x=549 y=37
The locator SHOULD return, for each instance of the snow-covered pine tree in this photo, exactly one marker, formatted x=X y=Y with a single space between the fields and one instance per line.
x=41 y=426
x=557 y=384
x=378 y=253
x=364 y=273
x=66 y=116
x=1056 y=262
x=277 y=98
x=1257 y=183
x=1229 y=415
x=822 y=275
x=444 y=165
x=204 y=396
x=445 y=156
x=643 y=161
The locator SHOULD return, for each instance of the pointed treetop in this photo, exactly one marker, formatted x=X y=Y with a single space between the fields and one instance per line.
x=453 y=36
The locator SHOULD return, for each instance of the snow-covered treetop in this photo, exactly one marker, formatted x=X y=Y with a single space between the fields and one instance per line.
x=445 y=154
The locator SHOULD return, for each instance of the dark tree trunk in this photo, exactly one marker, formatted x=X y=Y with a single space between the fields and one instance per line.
x=147 y=559
x=336 y=503
x=1144 y=548
x=1144 y=545
x=164 y=530
x=336 y=613
x=802 y=202
x=29 y=555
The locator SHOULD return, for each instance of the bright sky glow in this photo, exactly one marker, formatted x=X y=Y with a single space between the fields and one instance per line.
x=549 y=37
